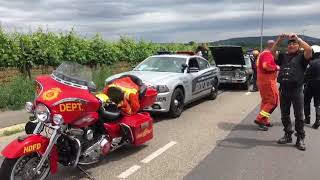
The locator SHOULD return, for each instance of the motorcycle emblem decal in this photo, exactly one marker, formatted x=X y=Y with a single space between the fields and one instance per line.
x=31 y=148
x=144 y=133
x=51 y=94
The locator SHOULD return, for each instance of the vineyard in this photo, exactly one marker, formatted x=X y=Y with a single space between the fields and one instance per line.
x=23 y=56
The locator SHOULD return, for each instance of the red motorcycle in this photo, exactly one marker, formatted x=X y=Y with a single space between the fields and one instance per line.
x=72 y=127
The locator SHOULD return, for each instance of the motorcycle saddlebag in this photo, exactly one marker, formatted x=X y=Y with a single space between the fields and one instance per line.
x=141 y=125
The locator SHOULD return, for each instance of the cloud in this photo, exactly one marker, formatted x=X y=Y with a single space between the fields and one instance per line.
x=162 y=21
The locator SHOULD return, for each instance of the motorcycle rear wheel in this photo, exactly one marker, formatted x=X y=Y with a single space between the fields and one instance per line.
x=21 y=168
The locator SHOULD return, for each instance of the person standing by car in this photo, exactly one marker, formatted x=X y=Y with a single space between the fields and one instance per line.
x=291 y=78
x=255 y=54
x=199 y=51
x=312 y=88
x=203 y=51
x=267 y=71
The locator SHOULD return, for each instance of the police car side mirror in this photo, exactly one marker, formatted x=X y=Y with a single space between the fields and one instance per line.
x=184 y=67
x=193 y=70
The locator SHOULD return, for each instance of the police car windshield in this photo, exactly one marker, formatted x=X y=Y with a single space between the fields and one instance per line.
x=74 y=73
x=162 y=64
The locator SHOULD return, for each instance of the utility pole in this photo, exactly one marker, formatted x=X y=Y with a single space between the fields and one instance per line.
x=262 y=19
x=303 y=32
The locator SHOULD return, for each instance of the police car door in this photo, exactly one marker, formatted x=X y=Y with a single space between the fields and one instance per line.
x=195 y=73
x=206 y=77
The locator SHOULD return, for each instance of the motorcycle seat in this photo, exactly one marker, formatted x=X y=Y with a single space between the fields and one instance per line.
x=111 y=113
x=110 y=116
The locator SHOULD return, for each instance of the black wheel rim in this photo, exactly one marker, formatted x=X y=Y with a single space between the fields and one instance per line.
x=23 y=171
x=178 y=102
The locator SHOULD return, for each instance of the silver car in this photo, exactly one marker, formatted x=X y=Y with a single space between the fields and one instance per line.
x=179 y=79
x=235 y=67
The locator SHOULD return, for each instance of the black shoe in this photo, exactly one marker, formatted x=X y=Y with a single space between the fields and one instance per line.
x=307 y=120
x=300 y=144
x=287 y=138
x=316 y=124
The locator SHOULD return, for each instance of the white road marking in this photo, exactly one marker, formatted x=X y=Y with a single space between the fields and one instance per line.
x=248 y=93
x=158 y=152
x=129 y=171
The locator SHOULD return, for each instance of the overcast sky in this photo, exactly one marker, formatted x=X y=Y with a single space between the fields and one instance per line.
x=163 y=20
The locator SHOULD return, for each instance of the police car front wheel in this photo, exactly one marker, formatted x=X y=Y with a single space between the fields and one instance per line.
x=177 y=103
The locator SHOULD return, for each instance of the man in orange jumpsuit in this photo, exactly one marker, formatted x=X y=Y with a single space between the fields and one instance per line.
x=267 y=71
x=124 y=92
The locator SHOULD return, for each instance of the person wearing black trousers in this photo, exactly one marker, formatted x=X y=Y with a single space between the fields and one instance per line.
x=255 y=54
x=291 y=78
x=312 y=90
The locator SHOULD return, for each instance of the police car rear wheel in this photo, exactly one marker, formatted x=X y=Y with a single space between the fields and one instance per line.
x=177 y=103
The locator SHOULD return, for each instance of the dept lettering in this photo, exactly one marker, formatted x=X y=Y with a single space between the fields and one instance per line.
x=71 y=107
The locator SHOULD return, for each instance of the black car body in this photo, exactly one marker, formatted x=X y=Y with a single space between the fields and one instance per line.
x=235 y=67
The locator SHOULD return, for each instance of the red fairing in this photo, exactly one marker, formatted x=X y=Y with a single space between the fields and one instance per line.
x=72 y=103
x=27 y=145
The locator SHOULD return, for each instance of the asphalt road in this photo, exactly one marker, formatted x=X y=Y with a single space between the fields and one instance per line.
x=9 y=118
x=248 y=154
x=211 y=140
x=188 y=140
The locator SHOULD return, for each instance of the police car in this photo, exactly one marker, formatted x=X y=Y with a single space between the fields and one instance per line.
x=180 y=78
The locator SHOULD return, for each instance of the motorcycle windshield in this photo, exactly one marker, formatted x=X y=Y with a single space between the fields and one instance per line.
x=74 y=73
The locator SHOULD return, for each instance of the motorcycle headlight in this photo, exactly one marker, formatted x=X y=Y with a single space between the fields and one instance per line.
x=162 y=88
x=29 y=107
x=57 y=119
x=42 y=113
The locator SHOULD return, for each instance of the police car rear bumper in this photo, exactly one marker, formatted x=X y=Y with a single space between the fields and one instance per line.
x=162 y=103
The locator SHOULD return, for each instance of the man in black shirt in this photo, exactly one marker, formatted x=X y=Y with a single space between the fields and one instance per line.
x=312 y=89
x=291 y=78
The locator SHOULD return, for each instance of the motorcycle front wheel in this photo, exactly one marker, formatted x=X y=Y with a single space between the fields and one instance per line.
x=22 y=168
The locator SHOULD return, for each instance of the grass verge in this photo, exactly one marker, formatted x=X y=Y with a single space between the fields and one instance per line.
x=19 y=89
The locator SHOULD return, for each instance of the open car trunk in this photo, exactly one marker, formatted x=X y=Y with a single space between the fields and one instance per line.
x=227 y=55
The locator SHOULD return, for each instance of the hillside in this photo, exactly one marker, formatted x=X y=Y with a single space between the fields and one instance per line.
x=255 y=41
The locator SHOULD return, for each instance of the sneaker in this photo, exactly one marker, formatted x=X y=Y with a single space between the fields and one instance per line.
x=269 y=125
x=285 y=139
x=261 y=126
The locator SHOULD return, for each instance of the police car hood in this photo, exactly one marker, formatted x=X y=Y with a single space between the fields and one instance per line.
x=227 y=55
x=150 y=77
